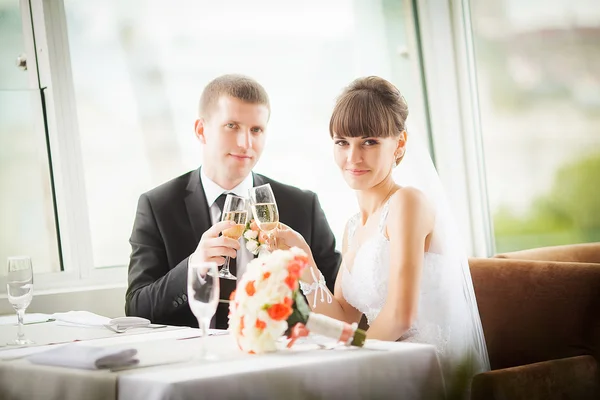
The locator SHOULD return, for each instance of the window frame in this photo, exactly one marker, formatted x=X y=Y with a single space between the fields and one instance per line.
x=49 y=63
x=451 y=87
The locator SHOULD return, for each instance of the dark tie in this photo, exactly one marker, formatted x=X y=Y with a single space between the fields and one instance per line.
x=227 y=285
x=221 y=203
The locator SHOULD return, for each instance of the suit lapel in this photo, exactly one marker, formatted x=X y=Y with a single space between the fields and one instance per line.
x=257 y=180
x=197 y=206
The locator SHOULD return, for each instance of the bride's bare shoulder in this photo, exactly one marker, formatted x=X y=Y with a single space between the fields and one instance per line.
x=409 y=195
x=408 y=200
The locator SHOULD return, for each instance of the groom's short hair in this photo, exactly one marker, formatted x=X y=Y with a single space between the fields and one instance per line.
x=238 y=86
x=371 y=107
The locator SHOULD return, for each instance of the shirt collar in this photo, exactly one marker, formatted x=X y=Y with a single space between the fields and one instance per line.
x=212 y=190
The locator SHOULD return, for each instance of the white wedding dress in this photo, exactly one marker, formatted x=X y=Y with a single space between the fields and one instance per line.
x=441 y=317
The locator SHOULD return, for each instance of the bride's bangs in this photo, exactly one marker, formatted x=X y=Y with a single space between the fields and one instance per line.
x=360 y=114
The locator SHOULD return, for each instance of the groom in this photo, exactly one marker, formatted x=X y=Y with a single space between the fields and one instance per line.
x=174 y=221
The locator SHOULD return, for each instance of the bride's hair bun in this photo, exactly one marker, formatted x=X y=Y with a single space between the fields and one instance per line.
x=369 y=106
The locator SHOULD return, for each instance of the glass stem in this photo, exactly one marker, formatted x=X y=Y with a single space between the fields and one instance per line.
x=274 y=237
x=20 y=317
x=204 y=330
x=226 y=266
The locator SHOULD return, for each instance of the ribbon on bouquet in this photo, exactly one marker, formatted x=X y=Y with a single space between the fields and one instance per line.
x=315 y=286
x=348 y=334
x=299 y=330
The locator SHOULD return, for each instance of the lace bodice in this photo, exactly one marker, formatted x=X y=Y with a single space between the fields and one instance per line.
x=365 y=287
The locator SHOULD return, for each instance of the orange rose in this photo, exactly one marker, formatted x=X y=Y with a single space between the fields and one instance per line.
x=279 y=311
x=295 y=268
x=232 y=296
x=301 y=257
x=291 y=282
x=260 y=325
x=250 y=289
x=266 y=275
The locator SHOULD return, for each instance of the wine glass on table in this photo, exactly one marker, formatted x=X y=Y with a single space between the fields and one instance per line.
x=19 y=290
x=203 y=296
x=264 y=209
x=235 y=209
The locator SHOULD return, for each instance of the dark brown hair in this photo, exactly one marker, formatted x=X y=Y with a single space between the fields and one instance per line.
x=237 y=86
x=369 y=106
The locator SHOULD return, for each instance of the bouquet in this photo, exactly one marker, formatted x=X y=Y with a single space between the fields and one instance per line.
x=267 y=304
x=256 y=240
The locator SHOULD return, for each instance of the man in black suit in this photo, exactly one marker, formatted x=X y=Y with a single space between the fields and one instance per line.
x=178 y=222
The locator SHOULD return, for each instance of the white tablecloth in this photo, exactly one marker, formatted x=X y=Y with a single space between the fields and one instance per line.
x=380 y=370
x=19 y=379
x=55 y=333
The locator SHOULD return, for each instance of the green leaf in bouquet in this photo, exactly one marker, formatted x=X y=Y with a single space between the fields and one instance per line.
x=301 y=305
x=300 y=312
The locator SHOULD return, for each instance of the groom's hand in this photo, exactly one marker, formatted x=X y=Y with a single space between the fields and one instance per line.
x=215 y=248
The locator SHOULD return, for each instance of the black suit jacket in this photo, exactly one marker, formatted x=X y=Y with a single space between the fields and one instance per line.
x=169 y=223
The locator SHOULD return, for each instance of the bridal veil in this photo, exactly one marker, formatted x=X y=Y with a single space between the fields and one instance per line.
x=454 y=304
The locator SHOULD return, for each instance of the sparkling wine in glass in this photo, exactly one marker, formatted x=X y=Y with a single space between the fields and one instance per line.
x=235 y=209
x=203 y=296
x=19 y=289
x=264 y=208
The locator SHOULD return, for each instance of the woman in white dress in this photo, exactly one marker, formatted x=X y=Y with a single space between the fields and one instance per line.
x=402 y=265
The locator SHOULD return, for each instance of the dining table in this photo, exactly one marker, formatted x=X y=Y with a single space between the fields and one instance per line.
x=171 y=364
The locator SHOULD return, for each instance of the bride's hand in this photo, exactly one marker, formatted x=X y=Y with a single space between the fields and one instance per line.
x=285 y=237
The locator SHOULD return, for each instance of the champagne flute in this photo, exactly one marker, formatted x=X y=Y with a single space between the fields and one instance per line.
x=264 y=209
x=203 y=296
x=19 y=290
x=235 y=209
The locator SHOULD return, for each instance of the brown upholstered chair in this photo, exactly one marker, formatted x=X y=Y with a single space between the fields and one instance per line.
x=585 y=252
x=541 y=321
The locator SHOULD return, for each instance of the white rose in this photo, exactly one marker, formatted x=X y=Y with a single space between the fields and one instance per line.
x=251 y=245
x=264 y=343
x=296 y=251
x=263 y=251
x=250 y=235
x=276 y=329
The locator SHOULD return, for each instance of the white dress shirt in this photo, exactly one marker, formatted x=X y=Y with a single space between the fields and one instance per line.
x=212 y=191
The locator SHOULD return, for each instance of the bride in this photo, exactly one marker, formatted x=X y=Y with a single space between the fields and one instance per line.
x=402 y=267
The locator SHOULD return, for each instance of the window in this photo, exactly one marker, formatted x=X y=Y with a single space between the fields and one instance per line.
x=538 y=71
x=139 y=67
x=27 y=200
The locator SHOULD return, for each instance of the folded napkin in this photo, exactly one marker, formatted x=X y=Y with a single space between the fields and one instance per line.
x=86 y=357
x=81 y=318
x=89 y=319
